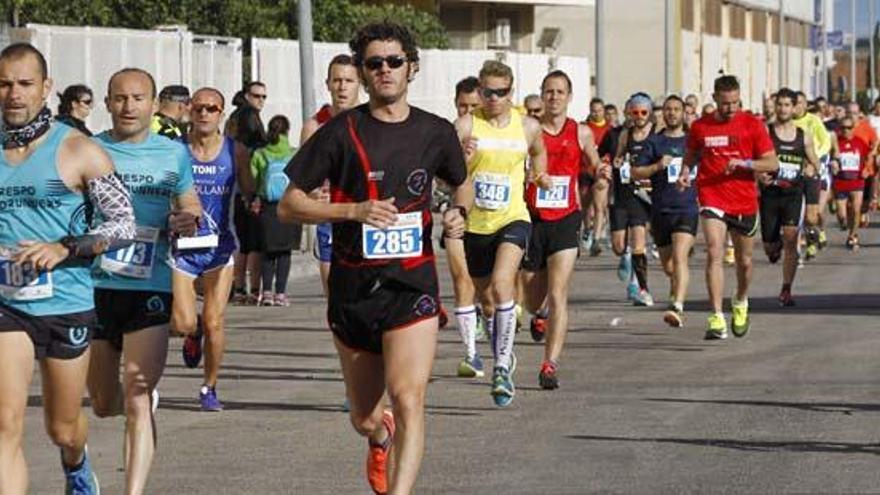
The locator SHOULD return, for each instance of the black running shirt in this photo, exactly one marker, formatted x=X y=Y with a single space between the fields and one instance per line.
x=364 y=158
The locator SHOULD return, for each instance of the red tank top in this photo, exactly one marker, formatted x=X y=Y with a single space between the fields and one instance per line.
x=563 y=166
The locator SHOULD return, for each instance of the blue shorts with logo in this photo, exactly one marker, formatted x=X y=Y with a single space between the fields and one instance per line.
x=324 y=246
x=63 y=336
x=195 y=262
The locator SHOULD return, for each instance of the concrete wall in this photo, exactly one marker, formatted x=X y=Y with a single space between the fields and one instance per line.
x=578 y=25
x=634 y=48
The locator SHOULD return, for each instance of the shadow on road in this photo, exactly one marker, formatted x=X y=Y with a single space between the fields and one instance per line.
x=191 y=405
x=838 y=407
x=837 y=304
x=332 y=355
x=748 y=445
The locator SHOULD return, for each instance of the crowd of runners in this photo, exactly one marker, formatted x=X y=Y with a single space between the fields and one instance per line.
x=111 y=243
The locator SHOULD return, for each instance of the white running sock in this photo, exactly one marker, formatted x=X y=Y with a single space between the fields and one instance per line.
x=490 y=331
x=505 y=329
x=466 y=317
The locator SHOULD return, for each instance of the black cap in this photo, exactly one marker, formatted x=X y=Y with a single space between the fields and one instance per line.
x=175 y=92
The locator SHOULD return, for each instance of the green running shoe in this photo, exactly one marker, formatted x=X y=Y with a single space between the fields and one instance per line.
x=716 y=327
x=739 y=320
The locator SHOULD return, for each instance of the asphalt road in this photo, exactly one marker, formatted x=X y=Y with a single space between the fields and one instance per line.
x=642 y=408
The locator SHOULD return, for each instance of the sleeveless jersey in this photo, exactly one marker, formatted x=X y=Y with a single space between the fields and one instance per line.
x=215 y=184
x=155 y=171
x=624 y=185
x=36 y=205
x=792 y=157
x=498 y=174
x=563 y=166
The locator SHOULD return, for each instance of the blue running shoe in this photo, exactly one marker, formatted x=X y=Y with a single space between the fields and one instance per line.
x=346 y=407
x=81 y=480
x=209 y=400
x=624 y=267
x=502 y=387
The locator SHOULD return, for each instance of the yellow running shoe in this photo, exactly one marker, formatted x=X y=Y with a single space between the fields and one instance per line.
x=729 y=255
x=739 y=320
x=716 y=327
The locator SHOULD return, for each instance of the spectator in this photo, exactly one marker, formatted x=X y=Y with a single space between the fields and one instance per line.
x=247 y=128
x=75 y=107
x=170 y=120
x=534 y=106
x=278 y=239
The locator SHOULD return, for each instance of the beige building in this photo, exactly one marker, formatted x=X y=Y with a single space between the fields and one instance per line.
x=708 y=37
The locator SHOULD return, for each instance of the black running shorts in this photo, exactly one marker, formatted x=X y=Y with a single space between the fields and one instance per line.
x=125 y=311
x=779 y=209
x=548 y=238
x=65 y=336
x=663 y=225
x=480 y=249
x=746 y=225
x=630 y=212
x=812 y=188
x=359 y=316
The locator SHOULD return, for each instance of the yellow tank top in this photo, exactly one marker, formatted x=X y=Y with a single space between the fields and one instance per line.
x=498 y=172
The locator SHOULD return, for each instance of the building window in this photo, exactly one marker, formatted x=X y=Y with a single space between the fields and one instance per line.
x=712 y=17
x=687 y=15
x=737 y=22
x=759 y=26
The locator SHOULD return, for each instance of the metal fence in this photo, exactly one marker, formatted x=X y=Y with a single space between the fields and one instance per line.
x=88 y=55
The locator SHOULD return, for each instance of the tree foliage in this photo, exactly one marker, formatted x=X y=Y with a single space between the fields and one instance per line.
x=333 y=20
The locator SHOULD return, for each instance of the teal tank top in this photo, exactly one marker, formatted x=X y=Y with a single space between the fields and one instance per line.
x=36 y=205
x=155 y=171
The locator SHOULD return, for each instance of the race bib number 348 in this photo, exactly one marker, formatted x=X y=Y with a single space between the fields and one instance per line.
x=491 y=191
x=401 y=240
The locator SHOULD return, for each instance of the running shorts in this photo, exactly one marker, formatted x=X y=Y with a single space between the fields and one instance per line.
x=548 y=238
x=778 y=210
x=64 y=336
x=124 y=311
x=663 y=225
x=480 y=249
x=195 y=262
x=746 y=225
x=631 y=212
x=359 y=316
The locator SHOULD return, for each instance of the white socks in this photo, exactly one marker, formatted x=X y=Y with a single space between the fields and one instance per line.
x=466 y=317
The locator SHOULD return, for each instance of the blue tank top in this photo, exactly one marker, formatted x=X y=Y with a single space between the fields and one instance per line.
x=155 y=171
x=215 y=185
x=35 y=204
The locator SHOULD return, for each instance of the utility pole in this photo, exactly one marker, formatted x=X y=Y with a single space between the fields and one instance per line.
x=601 y=60
x=783 y=65
x=873 y=83
x=306 y=58
x=823 y=68
x=669 y=47
x=852 y=53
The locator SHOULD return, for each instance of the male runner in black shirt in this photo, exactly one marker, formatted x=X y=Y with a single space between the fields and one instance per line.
x=380 y=159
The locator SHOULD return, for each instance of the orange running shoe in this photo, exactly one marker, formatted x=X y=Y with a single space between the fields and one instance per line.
x=377 y=458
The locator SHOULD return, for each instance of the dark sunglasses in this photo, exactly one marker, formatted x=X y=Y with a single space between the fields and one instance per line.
x=639 y=113
x=393 y=61
x=259 y=97
x=86 y=102
x=500 y=92
x=207 y=108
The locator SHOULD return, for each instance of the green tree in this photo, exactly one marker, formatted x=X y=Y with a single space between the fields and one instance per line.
x=333 y=20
